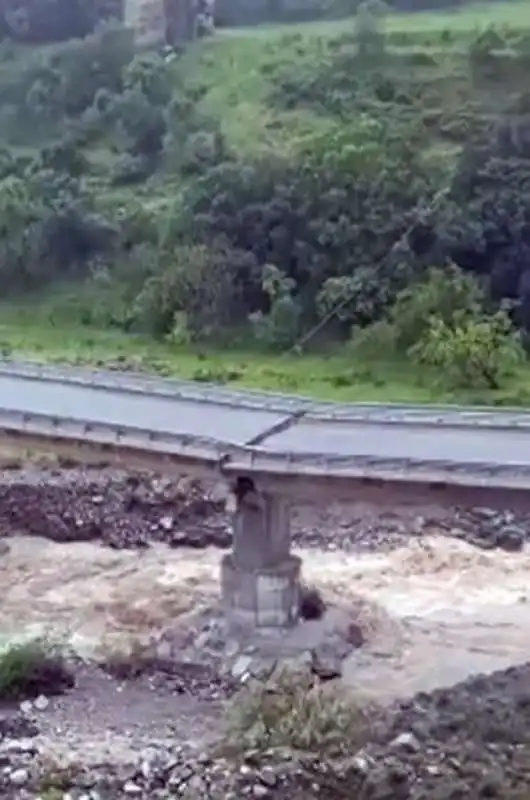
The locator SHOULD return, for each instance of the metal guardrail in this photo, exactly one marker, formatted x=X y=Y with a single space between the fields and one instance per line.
x=447 y=420
x=219 y=455
x=136 y=383
x=365 y=413
x=232 y=460
x=85 y=431
x=436 y=471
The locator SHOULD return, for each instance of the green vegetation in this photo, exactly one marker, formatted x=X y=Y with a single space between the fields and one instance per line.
x=292 y=711
x=31 y=668
x=340 y=209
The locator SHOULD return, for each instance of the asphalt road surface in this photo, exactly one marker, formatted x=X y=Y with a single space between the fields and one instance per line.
x=275 y=423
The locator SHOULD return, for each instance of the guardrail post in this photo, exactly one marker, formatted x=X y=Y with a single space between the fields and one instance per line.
x=260 y=578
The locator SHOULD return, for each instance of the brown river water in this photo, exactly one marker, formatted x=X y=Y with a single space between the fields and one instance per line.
x=436 y=609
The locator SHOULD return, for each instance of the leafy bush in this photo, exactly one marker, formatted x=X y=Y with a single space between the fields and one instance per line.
x=87 y=66
x=376 y=341
x=199 y=151
x=54 y=20
x=280 y=327
x=131 y=169
x=441 y=293
x=31 y=668
x=207 y=284
x=49 y=89
x=348 y=214
x=291 y=710
x=322 y=219
x=471 y=352
x=48 y=229
x=140 y=126
x=359 y=298
x=442 y=321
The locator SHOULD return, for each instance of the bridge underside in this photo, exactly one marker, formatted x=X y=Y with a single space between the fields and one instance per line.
x=260 y=577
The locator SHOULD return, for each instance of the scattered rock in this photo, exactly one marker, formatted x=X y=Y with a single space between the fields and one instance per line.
x=41 y=703
x=511 y=539
x=17 y=727
x=132 y=511
x=406 y=741
x=377 y=529
x=131 y=789
x=241 y=668
x=312 y=605
x=355 y=636
x=19 y=777
x=196 y=680
x=469 y=741
x=121 y=512
x=326 y=665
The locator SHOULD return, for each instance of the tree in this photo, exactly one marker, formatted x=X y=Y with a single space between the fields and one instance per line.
x=471 y=352
x=441 y=293
x=280 y=327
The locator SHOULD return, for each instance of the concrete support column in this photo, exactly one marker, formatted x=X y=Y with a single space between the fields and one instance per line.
x=260 y=578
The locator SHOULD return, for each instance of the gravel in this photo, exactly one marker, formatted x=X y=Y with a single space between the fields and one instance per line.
x=132 y=511
x=469 y=741
x=120 y=512
x=197 y=680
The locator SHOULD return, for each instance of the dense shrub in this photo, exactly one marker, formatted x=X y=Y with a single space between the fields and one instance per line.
x=54 y=20
x=205 y=284
x=471 y=352
x=32 y=668
x=317 y=218
x=292 y=710
x=49 y=229
x=445 y=322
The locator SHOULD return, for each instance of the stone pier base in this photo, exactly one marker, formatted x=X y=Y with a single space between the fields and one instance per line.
x=266 y=597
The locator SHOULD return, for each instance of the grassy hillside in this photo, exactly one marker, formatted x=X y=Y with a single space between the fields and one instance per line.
x=265 y=147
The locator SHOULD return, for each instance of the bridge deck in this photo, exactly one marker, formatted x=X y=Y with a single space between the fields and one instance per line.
x=509 y=446
x=135 y=409
x=273 y=433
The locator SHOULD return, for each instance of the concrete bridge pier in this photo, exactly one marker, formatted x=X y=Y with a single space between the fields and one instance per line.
x=260 y=578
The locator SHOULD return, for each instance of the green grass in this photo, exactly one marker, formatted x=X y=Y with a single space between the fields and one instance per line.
x=230 y=66
x=464 y=20
x=26 y=332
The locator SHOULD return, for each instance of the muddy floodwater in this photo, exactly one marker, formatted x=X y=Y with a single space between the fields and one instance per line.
x=437 y=609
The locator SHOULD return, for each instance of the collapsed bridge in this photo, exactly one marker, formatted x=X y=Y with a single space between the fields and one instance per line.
x=270 y=449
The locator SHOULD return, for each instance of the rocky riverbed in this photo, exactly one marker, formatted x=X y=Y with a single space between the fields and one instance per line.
x=469 y=741
x=132 y=511
x=437 y=591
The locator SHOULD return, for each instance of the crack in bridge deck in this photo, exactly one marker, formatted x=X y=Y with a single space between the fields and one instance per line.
x=277 y=428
